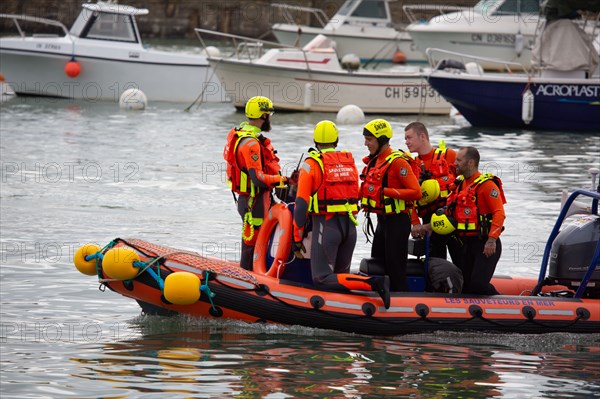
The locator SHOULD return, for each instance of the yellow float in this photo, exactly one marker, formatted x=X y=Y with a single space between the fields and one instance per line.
x=118 y=263
x=182 y=288
x=85 y=266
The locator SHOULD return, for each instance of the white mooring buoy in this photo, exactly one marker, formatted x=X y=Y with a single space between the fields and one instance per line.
x=350 y=115
x=133 y=99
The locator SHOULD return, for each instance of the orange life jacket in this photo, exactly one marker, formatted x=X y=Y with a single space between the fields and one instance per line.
x=462 y=205
x=338 y=192
x=440 y=171
x=237 y=177
x=375 y=179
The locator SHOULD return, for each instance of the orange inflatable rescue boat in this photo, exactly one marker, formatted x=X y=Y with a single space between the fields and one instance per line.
x=165 y=281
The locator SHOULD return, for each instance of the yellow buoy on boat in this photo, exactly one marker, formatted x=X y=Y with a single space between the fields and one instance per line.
x=182 y=288
x=84 y=266
x=118 y=263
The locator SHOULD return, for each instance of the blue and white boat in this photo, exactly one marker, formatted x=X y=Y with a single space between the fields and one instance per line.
x=560 y=92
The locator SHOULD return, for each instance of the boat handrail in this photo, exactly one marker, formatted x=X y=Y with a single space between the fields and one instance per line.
x=242 y=48
x=29 y=18
x=287 y=15
x=433 y=57
x=564 y=212
x=410 y=10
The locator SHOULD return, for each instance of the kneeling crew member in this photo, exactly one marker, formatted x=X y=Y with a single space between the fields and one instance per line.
x=328 y=191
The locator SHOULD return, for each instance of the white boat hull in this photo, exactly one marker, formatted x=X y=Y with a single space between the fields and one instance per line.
x=496 y=45
x=374 y=43
x=101 y=78
x=297 y=89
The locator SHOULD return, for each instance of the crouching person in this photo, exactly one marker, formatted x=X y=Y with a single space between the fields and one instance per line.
x=328 y=192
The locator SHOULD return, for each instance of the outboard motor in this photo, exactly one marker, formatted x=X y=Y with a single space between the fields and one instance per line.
x=572 y=252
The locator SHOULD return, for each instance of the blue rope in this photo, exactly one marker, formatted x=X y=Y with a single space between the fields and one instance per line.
x=155 y=274
x=206 y=289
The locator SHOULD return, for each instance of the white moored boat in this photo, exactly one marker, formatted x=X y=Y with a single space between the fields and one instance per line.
x=500 y=29
x=312 y=79
x=105 y=57
x=361 y=27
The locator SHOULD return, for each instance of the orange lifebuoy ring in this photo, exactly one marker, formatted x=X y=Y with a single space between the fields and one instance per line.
x=280 y=215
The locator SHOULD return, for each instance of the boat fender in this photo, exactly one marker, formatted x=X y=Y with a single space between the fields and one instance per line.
x=317 y=302
x=527 y=106
x=182 y=288
x=422 y=310
x=308 y=96
x=118 y=263
x=279 y=215
x=528 y=312
x=87 y=267
x=350 y=62
x=519 y=43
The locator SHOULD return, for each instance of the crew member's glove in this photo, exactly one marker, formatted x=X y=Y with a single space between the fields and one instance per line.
x=293 y=178
x=299 y=249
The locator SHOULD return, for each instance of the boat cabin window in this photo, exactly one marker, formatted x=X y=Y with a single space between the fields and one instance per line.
x=371 y=9
x=347 y=6
x=507 y=7
x=108 y=26
x=519 y=7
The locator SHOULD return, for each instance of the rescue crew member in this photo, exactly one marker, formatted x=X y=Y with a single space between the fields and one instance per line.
x=475 y=215
x=389 y=186
x=437 y=173
x=328 y=192
x=252 y=171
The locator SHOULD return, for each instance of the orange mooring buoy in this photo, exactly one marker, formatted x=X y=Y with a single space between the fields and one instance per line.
x=72 y=69
x=399 y=57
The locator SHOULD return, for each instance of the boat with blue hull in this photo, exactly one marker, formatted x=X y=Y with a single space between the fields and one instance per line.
x=167 y=281
x=496 y=100
x=561 y=90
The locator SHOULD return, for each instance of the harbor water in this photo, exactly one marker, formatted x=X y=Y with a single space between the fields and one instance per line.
x=78 y=172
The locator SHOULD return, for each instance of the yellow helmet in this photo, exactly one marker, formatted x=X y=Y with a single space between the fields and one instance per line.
x=326 y=132
x=378 y=128
x=430 y=191
x=442 y=224
x=258 y=106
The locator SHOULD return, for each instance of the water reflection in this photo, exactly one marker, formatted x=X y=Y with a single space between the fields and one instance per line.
x=230 y=359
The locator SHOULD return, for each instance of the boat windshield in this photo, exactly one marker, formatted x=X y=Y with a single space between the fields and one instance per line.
x=507 y=7
x=109 y=26
x=347 y=7
x=371 y=9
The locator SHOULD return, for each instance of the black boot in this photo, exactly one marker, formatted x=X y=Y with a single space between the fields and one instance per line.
x=246 y=257
x=382 y=286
